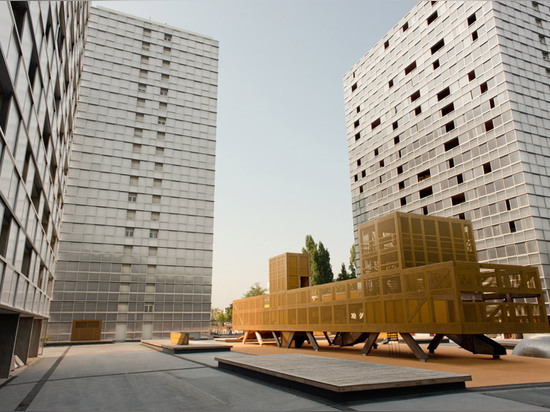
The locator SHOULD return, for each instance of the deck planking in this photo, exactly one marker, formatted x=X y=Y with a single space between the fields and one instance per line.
x=340 y=375
x=194 y=346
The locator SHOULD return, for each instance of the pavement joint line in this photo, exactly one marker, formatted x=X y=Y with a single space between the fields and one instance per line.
x=7 y=381
x=112 y=374
x=25 y=403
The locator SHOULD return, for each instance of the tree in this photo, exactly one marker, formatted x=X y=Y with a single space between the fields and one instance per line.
x=311 y=250
x=352 y=263
x=343 y=275
x=255 y=290
x=324 y=269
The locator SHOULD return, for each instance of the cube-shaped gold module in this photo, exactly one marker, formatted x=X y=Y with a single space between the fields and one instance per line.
x=289 y=271
x=404 y=240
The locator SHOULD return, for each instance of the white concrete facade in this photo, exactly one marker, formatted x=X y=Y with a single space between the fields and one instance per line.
x=448 y=114
x=136 y=243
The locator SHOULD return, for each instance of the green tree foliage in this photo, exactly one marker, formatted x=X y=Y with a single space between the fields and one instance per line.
x=343 y=275
x=352 y=263
x=255 y=290
x=221 y=316
x=311 y=250
x=321 y=270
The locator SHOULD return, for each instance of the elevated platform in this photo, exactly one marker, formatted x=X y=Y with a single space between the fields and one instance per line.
x=340 y=376
x=78 y=342
x=166 y=346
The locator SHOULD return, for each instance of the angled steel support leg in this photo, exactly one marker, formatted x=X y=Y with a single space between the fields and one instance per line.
x=327 y=338
x=277 y=341
x=371 y=341
x=289 y=340
x=259 y=337
x=414 y=346
x=435 y=342
x=245 y=336
x=312 y=340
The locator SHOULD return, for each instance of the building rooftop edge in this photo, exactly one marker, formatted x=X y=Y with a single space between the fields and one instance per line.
x=153 y=22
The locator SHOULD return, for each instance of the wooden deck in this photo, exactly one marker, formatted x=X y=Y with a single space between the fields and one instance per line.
x=194 y=346
x=339 y=375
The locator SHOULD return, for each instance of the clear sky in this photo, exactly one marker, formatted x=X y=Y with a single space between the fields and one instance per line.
x=281 y=158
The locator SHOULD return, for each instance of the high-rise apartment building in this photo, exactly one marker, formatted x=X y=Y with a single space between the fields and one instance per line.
x=136 y=242
x=41 y=47
x=448 y=114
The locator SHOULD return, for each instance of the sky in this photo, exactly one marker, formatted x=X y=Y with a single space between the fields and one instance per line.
x=282 y=168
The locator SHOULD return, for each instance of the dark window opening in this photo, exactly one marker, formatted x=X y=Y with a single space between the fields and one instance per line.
x=489 y=125
x=364 y=173
x=360 y=189
x=472 y=75
x=451 y=144
x=390 y=83
x=450 y=126
x=487 y=168
x=402 y=185
x=436 y=64
x=374 y=124
x=405 y=26
x=380 y=179
x=19 y=9
x=492 y=103
x=472 y=19
x=33 y=68
x=356 y=123
x=415 y=95
x=410 y=67
x=5 y=233
x=512 y=225
x=458 y=199
x=417 y=110
x=395 y=125
x=432 y=17
x=357 y=136
x=358 y=109
x=535 y=5
x=403 y=201
x=386 y=44
x=381 y=163
x=423 y=175
x=451 y=163
x=376 y=152
x=427 y=191
x=5 y=98
x=400 y=154
x=483 y=87
x=46 y=133
x=443 y=93
x=399 y=170
x=356 y=178
x=474 y=36
x=27 y=254
x=45 y=219
x=462 y=216
x=354 y=87
x=437 y=46
x=358 y=162
x=396 y=140
x=508 y=206
x=459 y=179
x=447 y=109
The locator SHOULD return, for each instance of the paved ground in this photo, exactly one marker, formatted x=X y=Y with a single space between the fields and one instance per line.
x=128 y=376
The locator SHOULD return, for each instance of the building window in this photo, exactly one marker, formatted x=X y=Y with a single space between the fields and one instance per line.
x=161 y=135
x=376 y=152
x=144 y=59
x=375 y=124
x=128 y=250
x=415 y=95
x=443 y=93
x=437 y=46
x=410 y=67
x=162 y=121
x=424 y=175
x=132 y=197
x=136 y=148
x=364 y=173
x=432 y=17
x=164 y=77
x=451 y=163
x=447 y=109
x=159 y=151
x=492 y=103
x=166 y=50
x=153 y=234
x=403 y=201
x=512 y=225
x=156 y=199
x=483 y=87
x=149 y=307
x=427 y=191
x=167 y=37
x=382 y=163
x=545 y=56
x=354 y=87
x=356 y=123
x=130 y=214
x=165 y=64
x=390 y=83
x=142 y=87
x=542 y=39
x=417 y=110
x=360 y=189
x=459 y=179
x=135 y=164
x=489 y=125
x=449 y=126
x=405 y=27
x=129 y=232
x=153 y=251
x=487 y=168
x=358 y=109
x=138 y=132
x=508 y=206
x=538 y=22
x=357 y=136
x=386 y=44
x=462 y=216
x=146 y=31
x=163 y=91
x=140 y=102
x=155 y=216
x=139 y=117
x=163 y=106
x=134 y=180
x=145 y=45
x=535 y=5
x=399 y=170
x=451 y=144
x=472 y=19
x=458 y=199
x=402 y=185
x=425 y=210
x=474 y=35
x=157 y=182
x=395 y=125
x=396 y=140
x=356 y=178
x=358 y=162
x=436 y=64
x=472 y=75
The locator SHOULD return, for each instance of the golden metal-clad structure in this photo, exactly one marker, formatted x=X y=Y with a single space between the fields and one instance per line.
x=418 y=274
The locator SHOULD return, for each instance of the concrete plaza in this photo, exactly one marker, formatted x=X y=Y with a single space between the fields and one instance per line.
x=129 y=376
